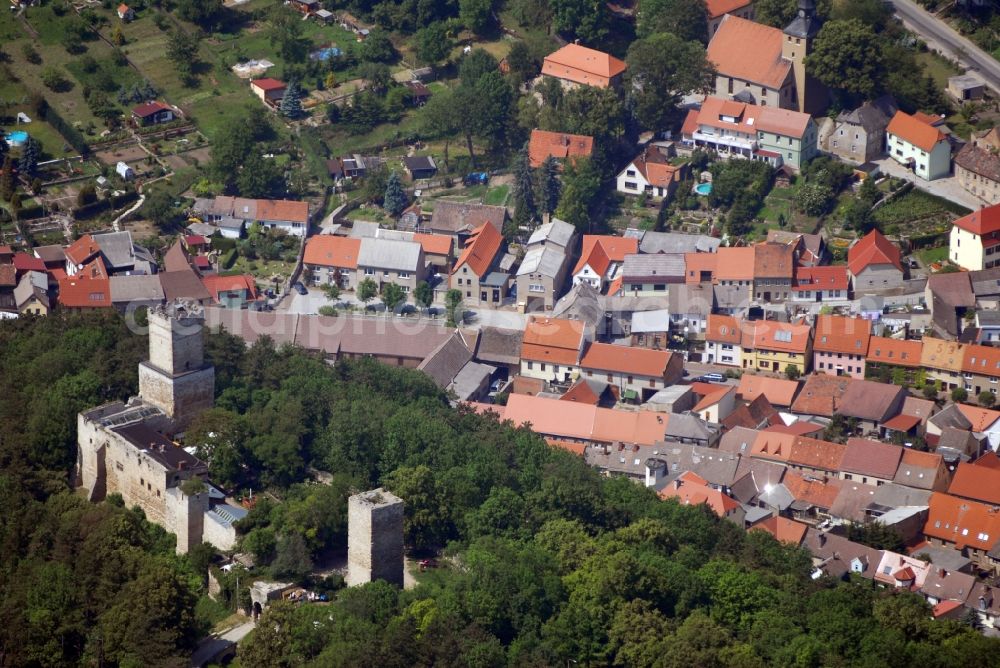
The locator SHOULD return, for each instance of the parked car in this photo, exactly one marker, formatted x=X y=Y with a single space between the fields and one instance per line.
x=299 y=288
x=476 y=178
x=713 y=378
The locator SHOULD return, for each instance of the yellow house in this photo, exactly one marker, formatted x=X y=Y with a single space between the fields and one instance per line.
x=775 y=346
x=32 y=294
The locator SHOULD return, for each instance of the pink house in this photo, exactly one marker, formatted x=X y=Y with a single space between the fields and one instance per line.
x=840 y=345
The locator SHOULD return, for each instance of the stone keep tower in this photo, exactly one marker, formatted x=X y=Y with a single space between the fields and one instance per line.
x=798 y=43
x=374 y=538
x=176 y=379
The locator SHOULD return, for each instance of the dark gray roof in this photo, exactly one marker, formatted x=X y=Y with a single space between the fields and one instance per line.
x=545 y=260
x=836 y=553
x=716 y=467
x=183 y=284
x=499 y=345
x=685 y=427
x=873 y=116
x=985 y=283
x=389 y=254
x=157 y=446
x=557 y=231
x=138 y=288
x=893 y=495
x=806 y=24
x=988 y=318
x=495 y=279
x=944 y=557
x=691 y=299
x=116 y=247
x=582 y=302
x=452 y=217
x=950 y=416
x=738 y=440
x=419 y=163
x=731 y=296
x=469 y=379
x=444 y=363
x=49 y=254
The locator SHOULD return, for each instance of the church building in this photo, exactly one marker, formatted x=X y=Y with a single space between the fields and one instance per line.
x=761 y=65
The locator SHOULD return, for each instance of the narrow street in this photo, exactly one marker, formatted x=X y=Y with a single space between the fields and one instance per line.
x=211 y=647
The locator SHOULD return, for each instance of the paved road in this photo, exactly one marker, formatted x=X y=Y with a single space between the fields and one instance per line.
x=947 y=188
x=211 y=647
x=937 y=31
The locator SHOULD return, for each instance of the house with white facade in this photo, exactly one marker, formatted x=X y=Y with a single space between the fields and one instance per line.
x=740 y=130
x=974 y=243
x=601 y=259
x=722 y=341
x=918 y=145
x=651 y=173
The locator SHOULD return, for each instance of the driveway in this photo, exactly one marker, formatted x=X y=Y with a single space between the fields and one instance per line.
x=938 y=33
x=212 y=647
x=947 y=188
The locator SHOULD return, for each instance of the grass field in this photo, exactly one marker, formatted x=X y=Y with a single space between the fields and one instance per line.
x=937 y=67
x=929 y=255
x=497 y=196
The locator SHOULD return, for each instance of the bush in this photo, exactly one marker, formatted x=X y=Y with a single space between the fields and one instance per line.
x=229 y=259
x=959 y=394
x=987 y=399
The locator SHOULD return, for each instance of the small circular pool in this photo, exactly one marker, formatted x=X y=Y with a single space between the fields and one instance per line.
x=703 y=189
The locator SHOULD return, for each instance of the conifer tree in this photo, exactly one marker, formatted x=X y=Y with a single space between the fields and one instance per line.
x=548 y=186
x=395 y=197
x=291 y=103
x=525 y=210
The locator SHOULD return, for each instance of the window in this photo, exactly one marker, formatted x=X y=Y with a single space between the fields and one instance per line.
x=543 y=366
x=631 y=185
x=369 y=271
x=536 y=287
x=404 y=274
x=629 y=172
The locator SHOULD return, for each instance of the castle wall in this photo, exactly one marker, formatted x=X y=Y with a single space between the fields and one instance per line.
x=180 y=397
x=221 y=536
x=175 y=344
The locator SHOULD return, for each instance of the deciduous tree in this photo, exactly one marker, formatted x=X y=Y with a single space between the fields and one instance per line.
x=847 y=56
x=686 y=19
x=662 y=69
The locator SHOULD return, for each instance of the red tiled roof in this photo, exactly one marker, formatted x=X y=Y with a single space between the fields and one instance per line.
x=626 y=360
x=981 y=418
x=783 y=529
x=24 y=262
x=480 y=250
x=267 y=84
x=981 y=222
x=150 y=108
x=575 y=447
x=778 y=391
x=734 y=264
x=771 y=445
x=599 y=251
x=583 y=66
x=773 y=261
x=327 y=250
x=690 y=489
x=774 y=335
x=656 y=168
x=839 y=334
x=879 y=460
x=797 y=428
x=874 y=248
x=216 y=284
x=962 y=522
x=980 y=483
x=821 y=395
x=723 y=329
x=581 y=392
x=717 y=8
x=902 y=422
x=282 y=209
x=819 y=493
x=742 y=49
x=82 y=249
x=915 y=131
x=894 y=351
x=821 y=278
x=982 y=360
x=816 y=454
x=89 y=288
x=559 y=145
x=696 y=263
x=554 y=340
x=434 y=244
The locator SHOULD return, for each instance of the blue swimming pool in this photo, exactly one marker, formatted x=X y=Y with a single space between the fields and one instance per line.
x=325 y=54
x=16 y=137
x=703 y=189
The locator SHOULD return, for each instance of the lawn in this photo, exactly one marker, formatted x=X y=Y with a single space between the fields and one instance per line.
x=497 y=196
x=929 y=255
x=937 y=67
x=262 y=270
x=916 y=205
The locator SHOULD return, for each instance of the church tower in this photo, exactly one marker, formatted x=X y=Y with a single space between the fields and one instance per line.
x=798 y=43
x=176 y=379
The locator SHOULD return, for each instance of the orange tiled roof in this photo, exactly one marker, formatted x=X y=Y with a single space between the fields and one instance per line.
x=874 y=248
x=581 y=421
x=575 y=447
x=555 y=340
x=82 y=249
x=963 y=522
x=559 y=145
x=282 y=209
x=717 y=8
x=713 y=398
x=980 y=483
x=982 y=360
x=89 y=288
x=626 y=360
x=819 y=493
x=773 y=335
x=839 y=334
x=942 y=354
x=749 y=51
x=729 y=115
x=734 y=264
x=723 y=329
x=216 y=283
x=981 y=418
x=581 y=392
x=816 y=454
x=696 y=263
x=599 y=251
x=268 y=84
x=327 y=250
x=773 y=446
x=583 y=66
x=783 y=529
x=480 y=250
x=895 y=351
x=773 y=260
x=915 y=131
x=821 y=395
x=691 y=490
x=779 y=391
x=656 y=167
x=434 y=244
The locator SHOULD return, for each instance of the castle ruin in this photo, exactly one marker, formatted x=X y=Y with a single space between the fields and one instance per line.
x=374 y=538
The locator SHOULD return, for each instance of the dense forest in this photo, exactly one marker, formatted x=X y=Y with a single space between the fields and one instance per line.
x=545 y=562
